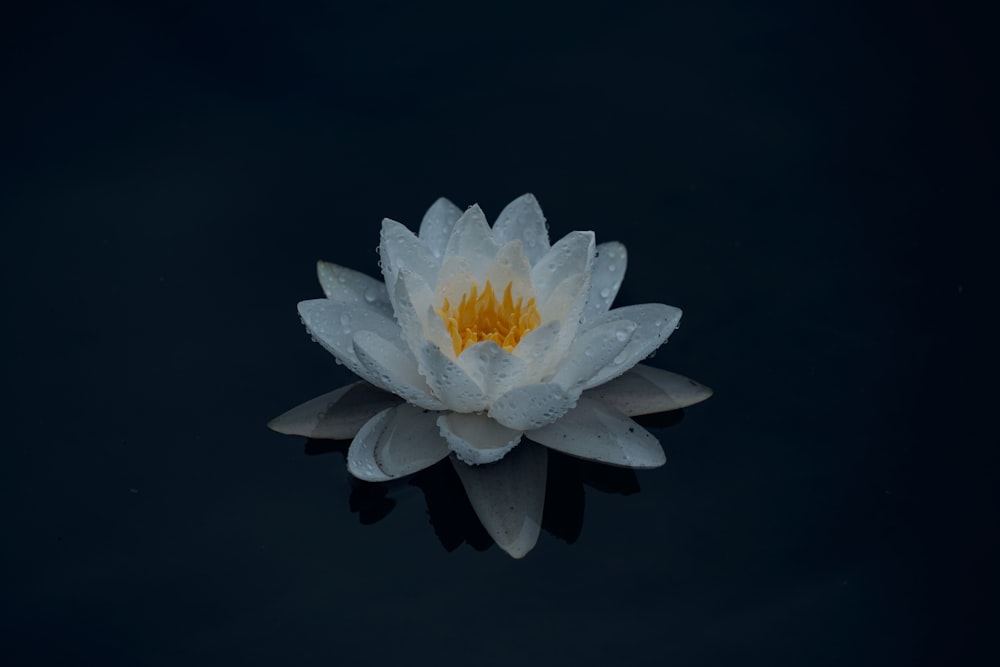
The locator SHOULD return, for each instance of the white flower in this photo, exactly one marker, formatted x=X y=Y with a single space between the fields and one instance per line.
x=478 y=338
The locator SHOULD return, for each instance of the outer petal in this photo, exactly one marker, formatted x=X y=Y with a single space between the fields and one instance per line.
x=352 y=287
x=410 y=442
x=655 y=321
x=595 y=431
x=572 y=254
x=449 y=382
x=333 y=325
x=476 y=439
x=644 y=390
x=395 y=368
x=396 y=442
x=606 y=278
x=523 y=219
x=337 y=415
x=400 y=249
x=591 y=351
x=532 y=406
x=412 y=299
x=509 y=496
x=472 y=240
x=436 y=227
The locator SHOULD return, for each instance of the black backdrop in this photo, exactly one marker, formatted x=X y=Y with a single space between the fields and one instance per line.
x=806 y=180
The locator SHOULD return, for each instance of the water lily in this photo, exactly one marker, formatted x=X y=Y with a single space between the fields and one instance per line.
x=489 y=345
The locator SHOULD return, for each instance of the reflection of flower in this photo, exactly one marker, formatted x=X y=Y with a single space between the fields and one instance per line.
x=479 y=337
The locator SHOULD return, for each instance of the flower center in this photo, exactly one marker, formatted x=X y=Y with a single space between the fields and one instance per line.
x=481 y=316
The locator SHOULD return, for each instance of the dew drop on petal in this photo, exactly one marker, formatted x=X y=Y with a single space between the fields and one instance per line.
x=620 y=359
x=370 y=295
x=622 y=336
x=605 y=293
x=611 y=267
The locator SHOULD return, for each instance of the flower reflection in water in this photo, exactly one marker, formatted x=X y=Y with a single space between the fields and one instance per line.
x=448 y=509
x=490 y=347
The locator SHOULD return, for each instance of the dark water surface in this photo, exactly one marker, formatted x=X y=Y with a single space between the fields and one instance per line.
x=804 y=182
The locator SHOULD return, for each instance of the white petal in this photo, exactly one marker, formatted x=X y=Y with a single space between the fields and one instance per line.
x=476 y=439
x=523 y=219
x=509 y=496
x=572 y=254
x=644 y=390
x=494 y=369
x=455 y=279
x=534 y=349
x=472 y=240
x=396 y=442
x=333 y=325
x=450 y=384
x=410 y=442
x=336 y=415
x=532 y=406
x=595 y=431
x=435 y=228
x=400 y=249
x=411 y=297
x=606 y=278
x=591 y=351
x=565 y=304
x=361 y=454
x=395 y=368
x=655 y=322
x=511 y=267
x=348 y=286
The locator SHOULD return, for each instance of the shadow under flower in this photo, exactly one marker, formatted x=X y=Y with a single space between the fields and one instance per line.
x=450 y=512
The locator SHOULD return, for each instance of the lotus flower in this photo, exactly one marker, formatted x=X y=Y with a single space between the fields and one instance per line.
x=489 y=345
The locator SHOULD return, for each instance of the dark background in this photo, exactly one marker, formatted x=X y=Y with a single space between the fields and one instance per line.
x=806 y=180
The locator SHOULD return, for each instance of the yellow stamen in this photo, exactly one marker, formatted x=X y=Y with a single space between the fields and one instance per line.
x=480 y=317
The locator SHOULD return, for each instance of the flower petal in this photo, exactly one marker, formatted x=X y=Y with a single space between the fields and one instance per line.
x=644 y=390
x=400 y=249
x=336 y=415
x=412 y=299
x=348 y=286
x=565 y=305
x=591 y=351
x=509 y=496
x=511 y=267
x=395 y=368
x=450 y=384
x=534 y=349
x=494 y=369
x=572 y=254
x=605 y=279
x=436 y=227
x=476 y=439
x=523 y=219
x=595 y=431
x=655 y=322
x=396 y=442
x=333 y=326
x=472 y=240
x=361 y=454
x=532 y=406
x=410 y=442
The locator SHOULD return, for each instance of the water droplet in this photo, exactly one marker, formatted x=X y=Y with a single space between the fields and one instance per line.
x=605 y=293
x=370 y=295
x=620 y=359
x=611 y=267
x=658 y=323
x=621 y=335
